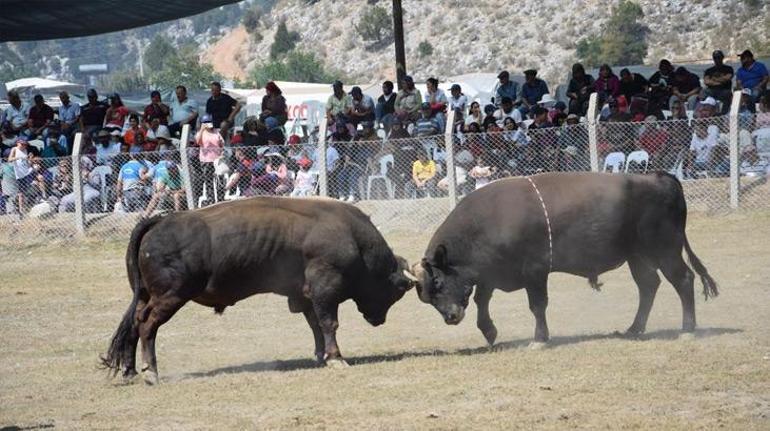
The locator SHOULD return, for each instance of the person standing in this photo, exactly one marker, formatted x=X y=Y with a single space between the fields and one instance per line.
x=183 y=111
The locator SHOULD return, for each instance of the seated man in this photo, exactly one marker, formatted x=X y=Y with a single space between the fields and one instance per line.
x=386 y=106
x=706 y=108
x=133 y=181
x=16 y=114
x=426 y=125
x=362 y=107
x=632 y=85
x=704 y=140
x=507 y=111
x=423 y=176
x=686 y=87
x=661 y=86
x=69 y=117
x=167 y=184
x=532 y=91
x=408 y=101
x=752 y=76
x=40 y=117
x=718 y=80
x=581 y=85
x=505 y=88
x=338 y=108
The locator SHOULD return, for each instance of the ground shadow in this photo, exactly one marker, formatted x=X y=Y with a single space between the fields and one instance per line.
x=302 y=364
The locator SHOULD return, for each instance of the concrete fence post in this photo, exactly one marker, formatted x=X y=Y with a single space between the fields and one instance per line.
x=449 y=152
x=77 y=186
x=735 y=174
x=185 y=161
x=323 y=179
x=593 y=103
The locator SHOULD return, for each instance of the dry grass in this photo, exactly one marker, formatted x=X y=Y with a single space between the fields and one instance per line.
x=251 y=368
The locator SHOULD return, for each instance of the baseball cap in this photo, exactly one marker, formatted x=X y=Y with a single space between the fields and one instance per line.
x=746 y=53
x=709 y=101
x=455 y=87
x=408 y=78
x=503 y=74
x=337 y=83
x=573 y=117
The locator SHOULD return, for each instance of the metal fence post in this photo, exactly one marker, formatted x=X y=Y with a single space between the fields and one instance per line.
x=735 y=175
x=183 y=140
x=323 y=181
x=449 y=151
x=593 y=102
x=77 y=186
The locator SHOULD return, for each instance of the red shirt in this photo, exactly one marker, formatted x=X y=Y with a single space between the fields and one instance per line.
x=117 y=116
x=652 y=140
x=152 y=112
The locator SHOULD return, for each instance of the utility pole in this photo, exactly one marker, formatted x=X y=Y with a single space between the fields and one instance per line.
x=141 y=56
x=398 y=34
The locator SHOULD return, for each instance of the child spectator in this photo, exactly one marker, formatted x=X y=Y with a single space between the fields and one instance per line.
x=168 y=184
x=423 y=176
x=134 y=129
x=303 y=182
x=133 y=181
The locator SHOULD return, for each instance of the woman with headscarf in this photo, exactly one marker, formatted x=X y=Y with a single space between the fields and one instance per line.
x=274 y=104
x=579 y=90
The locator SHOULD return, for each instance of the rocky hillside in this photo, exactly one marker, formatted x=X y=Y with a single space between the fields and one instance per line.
x=488 y=35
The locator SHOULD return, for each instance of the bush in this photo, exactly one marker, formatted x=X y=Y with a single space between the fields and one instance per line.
x=184 y=68
x=297 y=66
x=251 y=19
x=376 y=25
x=425 y=49
x=284 y=41
x=623 y=40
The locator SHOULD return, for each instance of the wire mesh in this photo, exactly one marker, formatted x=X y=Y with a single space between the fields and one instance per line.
x=402 y=184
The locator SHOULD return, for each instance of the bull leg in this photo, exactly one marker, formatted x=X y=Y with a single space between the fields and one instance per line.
x=680 y=275
x=481 y=297
x=327 y=321
x=537 y=293
x=647 y=280
x=129 y=363
x=318 y=335
x=324 y=285
x=160 y=310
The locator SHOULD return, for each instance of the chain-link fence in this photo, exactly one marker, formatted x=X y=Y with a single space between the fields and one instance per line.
x=403 y=183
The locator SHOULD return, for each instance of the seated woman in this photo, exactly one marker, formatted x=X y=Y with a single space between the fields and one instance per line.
x=274 y=104
x=304 y=182
x=482 y=172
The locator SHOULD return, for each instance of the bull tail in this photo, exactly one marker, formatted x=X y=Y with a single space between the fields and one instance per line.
x=709 y=285
x=123 y=343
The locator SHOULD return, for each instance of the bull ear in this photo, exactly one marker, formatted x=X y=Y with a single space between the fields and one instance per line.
x=440 y=256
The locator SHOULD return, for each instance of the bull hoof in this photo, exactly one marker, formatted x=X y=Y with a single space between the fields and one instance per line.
x=319 y=358
x=337 y=364
x=537 y=345
x=128 y=376
x=687 y=336
x=150 y=377
x=490 y=335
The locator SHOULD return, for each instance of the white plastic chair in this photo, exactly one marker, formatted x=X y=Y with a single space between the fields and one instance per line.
x=678 y=169
x=615 y=161
x=639 y=157
x=232 y=194
x=383 y=175
x=102 y=171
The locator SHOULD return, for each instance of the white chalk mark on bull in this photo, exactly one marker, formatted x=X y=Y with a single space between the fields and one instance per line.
x=547 y=224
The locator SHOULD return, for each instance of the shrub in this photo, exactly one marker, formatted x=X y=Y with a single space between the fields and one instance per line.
x=425 y=49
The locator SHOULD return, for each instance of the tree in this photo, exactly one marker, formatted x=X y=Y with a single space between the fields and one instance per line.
x=284 y=41
x=623 y=38
x=251 y=19
x=184 y=68
x=157 y=53
x=297 y=66
x=123 y=81
x=376 y=25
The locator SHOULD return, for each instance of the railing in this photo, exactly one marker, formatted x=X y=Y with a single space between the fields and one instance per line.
x=406 y=184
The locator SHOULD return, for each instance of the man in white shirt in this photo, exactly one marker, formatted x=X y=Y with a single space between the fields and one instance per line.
x=507 y=110
x=183 y=111
x=704 y=140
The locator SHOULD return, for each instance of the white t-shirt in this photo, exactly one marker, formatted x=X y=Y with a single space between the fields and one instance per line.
x=304 y=181
x=703 y=146
x=458 y=104
x=501 y=116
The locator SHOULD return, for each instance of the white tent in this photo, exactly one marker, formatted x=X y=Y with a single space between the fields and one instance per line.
x=41 y=84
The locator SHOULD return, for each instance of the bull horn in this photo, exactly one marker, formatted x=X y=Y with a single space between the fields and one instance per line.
x=418 y=271
x=410 y=276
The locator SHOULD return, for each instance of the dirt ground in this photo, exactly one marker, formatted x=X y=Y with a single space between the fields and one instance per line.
x=251 y=368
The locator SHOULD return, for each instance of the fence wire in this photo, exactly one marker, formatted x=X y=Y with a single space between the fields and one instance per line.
x=401 y=183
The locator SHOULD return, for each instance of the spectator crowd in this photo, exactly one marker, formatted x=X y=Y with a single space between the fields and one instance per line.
x=130 y=160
